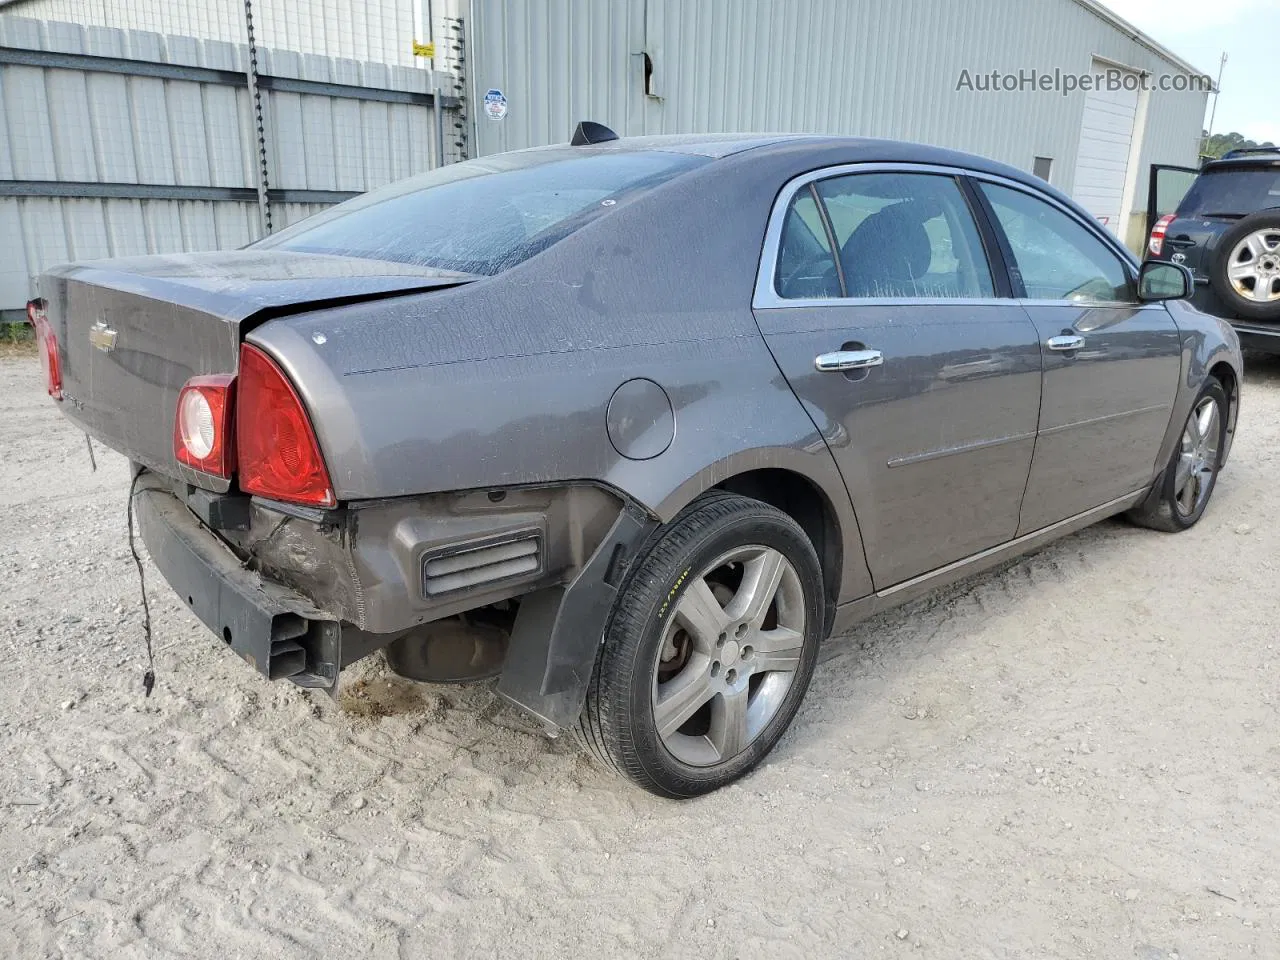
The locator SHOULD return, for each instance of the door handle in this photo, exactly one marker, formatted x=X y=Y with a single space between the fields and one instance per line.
x=1182 y=242
x=1068 y=341
x=848 y=360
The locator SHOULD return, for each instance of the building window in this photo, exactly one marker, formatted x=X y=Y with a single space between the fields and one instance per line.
x=1044 y=169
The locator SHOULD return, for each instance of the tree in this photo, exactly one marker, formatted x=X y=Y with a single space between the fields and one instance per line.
x=1218 y=144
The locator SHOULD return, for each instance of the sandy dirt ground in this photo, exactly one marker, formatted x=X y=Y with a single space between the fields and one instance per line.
x=1075 y=756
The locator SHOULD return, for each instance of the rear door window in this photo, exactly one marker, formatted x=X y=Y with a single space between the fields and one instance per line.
x=1232 y=193
x=806 y=265
x=906 y=235
x=483 y=216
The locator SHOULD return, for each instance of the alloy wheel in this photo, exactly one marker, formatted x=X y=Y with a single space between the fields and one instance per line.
x=1254 y=267
x=1198 y=459
x=730 y=651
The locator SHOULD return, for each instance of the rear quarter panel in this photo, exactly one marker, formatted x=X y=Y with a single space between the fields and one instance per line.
x=508 y=380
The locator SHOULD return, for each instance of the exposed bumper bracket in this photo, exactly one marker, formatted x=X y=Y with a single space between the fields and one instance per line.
x=277 y=631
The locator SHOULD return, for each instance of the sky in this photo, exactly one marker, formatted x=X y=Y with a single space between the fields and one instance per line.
x=1200 y=31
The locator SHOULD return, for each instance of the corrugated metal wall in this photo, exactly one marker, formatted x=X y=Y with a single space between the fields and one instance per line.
x=884 y=68
x=373 y=31
x=93 y=127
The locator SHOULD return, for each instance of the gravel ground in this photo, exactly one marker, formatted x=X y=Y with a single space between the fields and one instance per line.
x=1074 y=756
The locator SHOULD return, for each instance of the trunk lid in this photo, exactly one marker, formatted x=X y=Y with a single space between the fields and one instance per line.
x=131 y=332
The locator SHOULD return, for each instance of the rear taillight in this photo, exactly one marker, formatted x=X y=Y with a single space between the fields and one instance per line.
x=1156 y=244
x=203 y=436
x=39 y=320
x=277 y=450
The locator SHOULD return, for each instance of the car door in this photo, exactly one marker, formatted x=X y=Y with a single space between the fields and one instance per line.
x=879 y=299
x=1111 y=362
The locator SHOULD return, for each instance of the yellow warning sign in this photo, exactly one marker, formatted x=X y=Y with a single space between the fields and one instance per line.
x=424 y=50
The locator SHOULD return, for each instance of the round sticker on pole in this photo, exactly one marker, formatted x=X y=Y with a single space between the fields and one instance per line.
x=495 y=104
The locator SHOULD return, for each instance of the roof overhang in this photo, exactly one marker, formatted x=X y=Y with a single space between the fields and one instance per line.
x=1127 y=28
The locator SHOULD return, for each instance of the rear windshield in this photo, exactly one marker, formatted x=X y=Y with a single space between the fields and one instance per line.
x=483 y=216
x=1232 y=192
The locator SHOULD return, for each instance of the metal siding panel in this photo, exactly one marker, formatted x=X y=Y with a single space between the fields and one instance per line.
x=109 y=117
x=348 y=147
x=186 y=122
x=233 y=224
x=288 y=145
x=26 y=106
x=15 y=274
x=400 y=137
x=126 y=232
x=86 y=229
x=163 y=227
x=874 y=68
x=44 y=233
x=6 y=151
x=375 y=132
x=71 y=133
x=318 y=137
x=196 y=220
x=222 y=138
x=152 y=145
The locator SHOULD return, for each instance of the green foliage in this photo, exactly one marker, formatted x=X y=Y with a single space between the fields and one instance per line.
x=1218 y=144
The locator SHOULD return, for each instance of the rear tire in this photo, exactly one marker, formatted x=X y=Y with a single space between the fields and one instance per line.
x=1192 y=473
x=709 y=649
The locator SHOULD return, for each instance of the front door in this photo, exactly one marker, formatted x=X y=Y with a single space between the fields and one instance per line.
x=1111 y=363
x=882 y=311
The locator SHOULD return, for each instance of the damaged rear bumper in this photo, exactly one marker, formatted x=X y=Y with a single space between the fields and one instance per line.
x=362 y=580
x=277 y=631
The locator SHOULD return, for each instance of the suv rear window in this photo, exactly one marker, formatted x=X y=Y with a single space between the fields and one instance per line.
x=1234 y=192
x=483 y=216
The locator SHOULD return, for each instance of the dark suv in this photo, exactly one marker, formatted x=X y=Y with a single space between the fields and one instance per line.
x=1226 y=229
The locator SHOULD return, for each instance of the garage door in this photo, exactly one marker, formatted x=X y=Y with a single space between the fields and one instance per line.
x=1102 y=163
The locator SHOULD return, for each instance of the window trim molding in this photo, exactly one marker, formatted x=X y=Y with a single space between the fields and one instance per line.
x=765 y=296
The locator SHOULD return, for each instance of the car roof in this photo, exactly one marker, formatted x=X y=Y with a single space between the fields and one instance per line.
x=849 y=150
x=1243 y=161
x=860 y=149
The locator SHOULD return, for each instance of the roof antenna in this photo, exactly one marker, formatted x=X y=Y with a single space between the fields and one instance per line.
x=589 y=132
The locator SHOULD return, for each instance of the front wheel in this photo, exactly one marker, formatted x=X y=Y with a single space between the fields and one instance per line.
x=1192 y=472
x=709 y=649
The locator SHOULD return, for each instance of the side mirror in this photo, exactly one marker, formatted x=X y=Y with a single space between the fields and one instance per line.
x=1158 y=280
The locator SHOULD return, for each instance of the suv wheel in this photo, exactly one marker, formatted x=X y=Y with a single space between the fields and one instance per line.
x=1246 y=269
x=709 y=649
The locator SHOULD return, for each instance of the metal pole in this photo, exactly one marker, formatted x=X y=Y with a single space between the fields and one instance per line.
x=1217 y=92
x=255 y=100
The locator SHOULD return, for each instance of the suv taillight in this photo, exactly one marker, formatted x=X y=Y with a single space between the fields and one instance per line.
x=39 y=320
x=279 y=456
x=1156 y=244
x=202 y=428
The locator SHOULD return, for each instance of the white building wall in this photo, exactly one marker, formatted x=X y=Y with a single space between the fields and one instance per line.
x=881 y=68
x=78 y=127
x=375 y=31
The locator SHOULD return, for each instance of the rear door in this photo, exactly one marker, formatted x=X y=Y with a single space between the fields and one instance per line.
x=1111 y=363
x=879 y=300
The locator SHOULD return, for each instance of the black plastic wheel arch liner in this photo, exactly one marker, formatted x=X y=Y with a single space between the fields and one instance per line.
x=559 y=630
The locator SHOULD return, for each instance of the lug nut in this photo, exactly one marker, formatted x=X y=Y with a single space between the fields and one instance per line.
x=731 y=676
x=715 y=668
x=720 y=640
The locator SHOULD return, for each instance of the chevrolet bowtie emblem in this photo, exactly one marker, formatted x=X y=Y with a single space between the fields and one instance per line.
x=102 y=336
